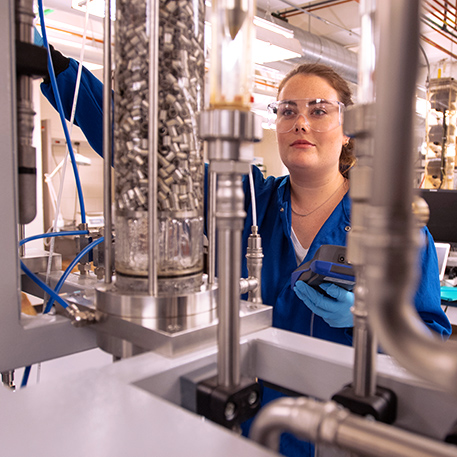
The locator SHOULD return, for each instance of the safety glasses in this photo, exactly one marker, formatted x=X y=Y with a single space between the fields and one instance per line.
x=319 y=114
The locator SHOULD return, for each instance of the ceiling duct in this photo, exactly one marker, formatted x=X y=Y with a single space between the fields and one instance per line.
x=316 y=49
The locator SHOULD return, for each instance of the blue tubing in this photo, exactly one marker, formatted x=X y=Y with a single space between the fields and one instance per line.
x=61 y=113
x=25 y=376
x=68 y=271
x=43 y=285
x=53 y=234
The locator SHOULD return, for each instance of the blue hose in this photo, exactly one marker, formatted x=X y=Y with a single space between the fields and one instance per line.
x=54 y=294
x=61 y=113
x=68 y=271
x=25 y=376
x=53 y=234
x=43 y=285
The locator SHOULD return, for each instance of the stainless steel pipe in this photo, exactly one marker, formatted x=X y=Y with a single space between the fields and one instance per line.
x=392 y=241
x=361 y=124
x=328 y=423
x=229 y=221
x=25 y=121
x=153 y=125
x=107 y=143
x=254 y=261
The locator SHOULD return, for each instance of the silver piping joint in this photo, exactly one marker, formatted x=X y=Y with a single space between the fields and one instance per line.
x=328 y=423
x=254 y=258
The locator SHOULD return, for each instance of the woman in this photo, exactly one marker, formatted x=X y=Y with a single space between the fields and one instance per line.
x=299 y=213
x=311 y=207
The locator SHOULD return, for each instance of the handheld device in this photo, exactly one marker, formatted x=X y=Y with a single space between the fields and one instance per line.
x=330 y=265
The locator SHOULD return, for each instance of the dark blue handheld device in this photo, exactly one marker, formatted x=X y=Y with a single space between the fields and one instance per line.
x=329 y=265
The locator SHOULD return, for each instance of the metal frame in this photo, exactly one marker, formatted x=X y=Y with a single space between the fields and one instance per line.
x=125 y=407
x=22 y=341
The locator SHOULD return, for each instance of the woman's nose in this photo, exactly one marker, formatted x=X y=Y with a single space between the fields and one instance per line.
x=301 y=123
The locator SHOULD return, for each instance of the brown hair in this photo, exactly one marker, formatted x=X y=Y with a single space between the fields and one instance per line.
x=347 y=158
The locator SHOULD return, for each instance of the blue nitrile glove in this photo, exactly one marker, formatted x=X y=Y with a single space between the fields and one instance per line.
x=335 y=311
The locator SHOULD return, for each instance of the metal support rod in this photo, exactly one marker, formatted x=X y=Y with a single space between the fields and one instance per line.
x=392 y=250
x=212 y=226
x=366 y=54
x=21 y=229
x=107 y=143
x=25 y=120
x=365 y=344
x=153 y=144
x=229 y=219
x=327 y=423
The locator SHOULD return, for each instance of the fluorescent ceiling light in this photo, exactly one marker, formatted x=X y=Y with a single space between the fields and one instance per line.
x=96 y=7
x=268 y=25
x=267 y=52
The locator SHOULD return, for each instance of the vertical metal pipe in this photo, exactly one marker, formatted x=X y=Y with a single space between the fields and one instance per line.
x=365 y=345
x=153 y=144
x=390 y=242
x=25 y=121
x=212 y=226
x=21 y=228
x=107 y=142
x=230 y=215
x=254 y=261
x=366 y=54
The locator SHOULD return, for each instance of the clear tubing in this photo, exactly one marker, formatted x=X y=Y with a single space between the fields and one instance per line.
x=231 y=54
x=180 y=163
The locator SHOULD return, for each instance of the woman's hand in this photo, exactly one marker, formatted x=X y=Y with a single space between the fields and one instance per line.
x=335 y=311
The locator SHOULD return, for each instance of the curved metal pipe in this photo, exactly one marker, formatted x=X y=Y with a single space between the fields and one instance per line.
x=328 y=423
x=392 y=250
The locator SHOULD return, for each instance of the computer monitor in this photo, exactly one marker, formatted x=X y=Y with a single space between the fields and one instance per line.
x=442 y=251
x=443 y=213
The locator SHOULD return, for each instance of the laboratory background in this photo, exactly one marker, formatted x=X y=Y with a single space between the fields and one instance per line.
x=127 y=326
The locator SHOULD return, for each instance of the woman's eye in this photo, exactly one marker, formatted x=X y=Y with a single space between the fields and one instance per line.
x=286 y=112
x=318 y=111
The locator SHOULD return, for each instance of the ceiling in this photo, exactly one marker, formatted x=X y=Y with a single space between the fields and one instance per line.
x=338 y=21
x=335 y=20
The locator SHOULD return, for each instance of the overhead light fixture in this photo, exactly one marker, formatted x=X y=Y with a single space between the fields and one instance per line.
x=268 y=25
x=96 y=7
x=267 y=52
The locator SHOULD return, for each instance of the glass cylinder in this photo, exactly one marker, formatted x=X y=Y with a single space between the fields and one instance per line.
x=441 y=134
x=232 y=37
x=180 y=162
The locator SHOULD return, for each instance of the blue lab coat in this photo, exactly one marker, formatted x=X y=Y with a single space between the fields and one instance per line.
x=289 y=313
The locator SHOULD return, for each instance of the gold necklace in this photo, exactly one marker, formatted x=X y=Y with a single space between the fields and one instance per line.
x=320 y=206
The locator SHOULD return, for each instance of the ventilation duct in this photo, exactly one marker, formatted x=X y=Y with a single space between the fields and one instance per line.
x=316 y=49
